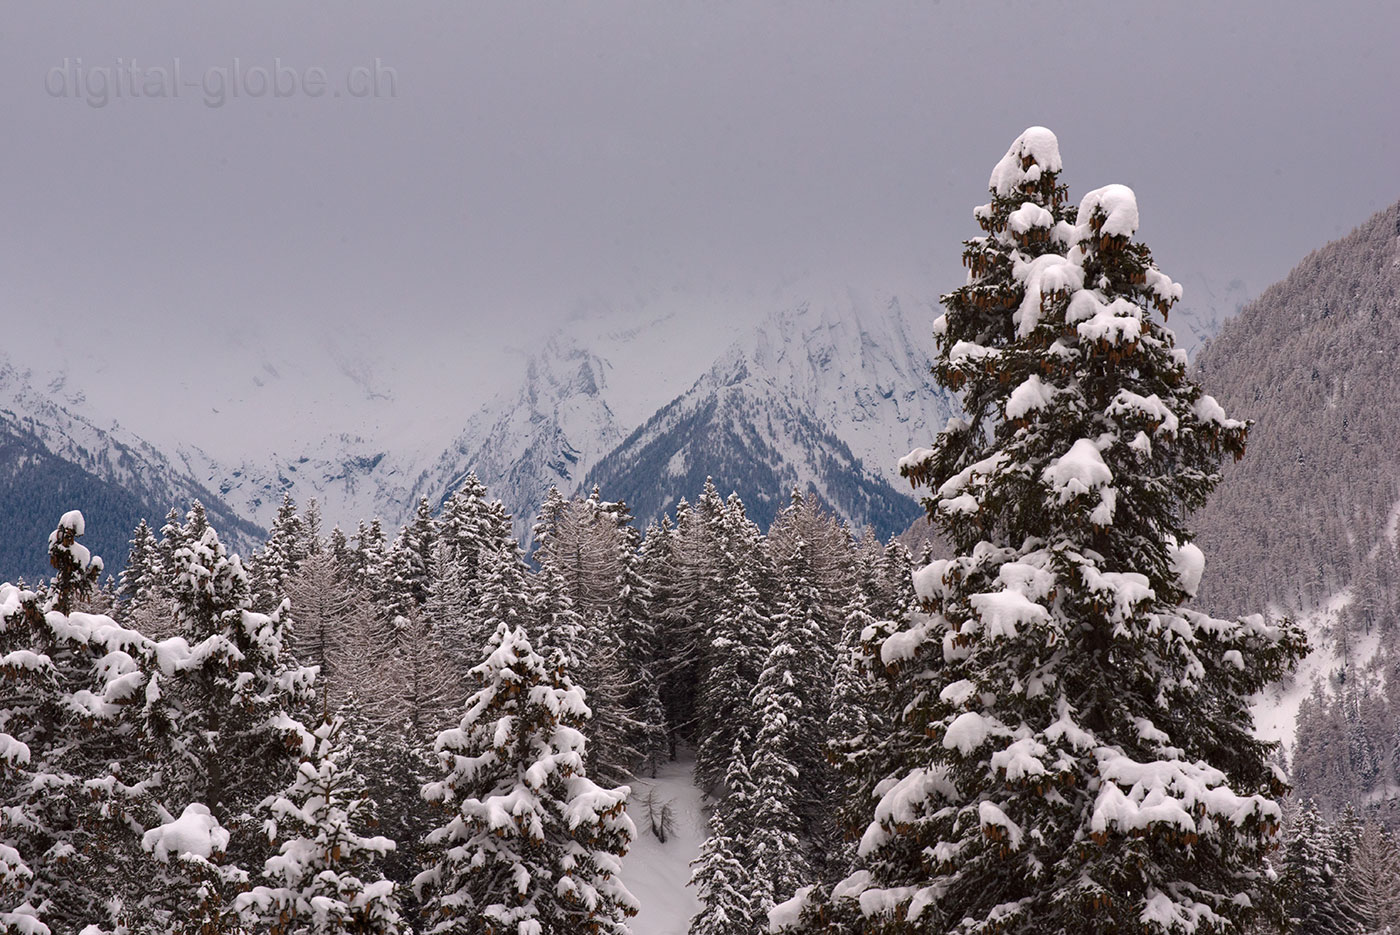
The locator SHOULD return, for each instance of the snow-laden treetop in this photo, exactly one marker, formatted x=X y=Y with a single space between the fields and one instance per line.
x=1119 y=207
x=1038 y=145
x=73 y=520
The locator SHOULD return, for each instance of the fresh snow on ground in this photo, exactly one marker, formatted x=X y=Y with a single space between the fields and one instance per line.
x=657 y=873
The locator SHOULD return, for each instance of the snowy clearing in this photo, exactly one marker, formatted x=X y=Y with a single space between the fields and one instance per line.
x=657 y=873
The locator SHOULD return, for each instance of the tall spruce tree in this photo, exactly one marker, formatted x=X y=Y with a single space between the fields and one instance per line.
x=779 y=844
x=630 y=617
x=800 y=624
x=409 y=560
x=280 y=557
x=853 y=725
x=1089 y=763
x=140 y=577
x=1313 y=877
x=68 y=760
x=725 y=884
x=230 y=693
x=734 y=661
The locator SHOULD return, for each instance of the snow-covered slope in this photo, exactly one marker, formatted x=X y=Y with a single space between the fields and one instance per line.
x=548 y=433
x=1276 y=708
x=657 y=872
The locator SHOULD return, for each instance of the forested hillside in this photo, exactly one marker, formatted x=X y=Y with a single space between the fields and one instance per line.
x=1313 y=506
x=1306 y=523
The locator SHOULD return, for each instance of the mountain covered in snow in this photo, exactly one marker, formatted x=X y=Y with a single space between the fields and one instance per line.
x=55 y=454
x=824 y=395
x=819 y=397
x=1311 y=510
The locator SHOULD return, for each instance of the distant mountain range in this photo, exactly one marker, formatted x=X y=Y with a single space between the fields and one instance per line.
x=821 y=396
x=822 y=393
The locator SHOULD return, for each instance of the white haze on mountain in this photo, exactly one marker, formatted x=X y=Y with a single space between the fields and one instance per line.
x=369 y=422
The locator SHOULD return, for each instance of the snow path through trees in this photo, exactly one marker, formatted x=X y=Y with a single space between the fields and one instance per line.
x=657 y=873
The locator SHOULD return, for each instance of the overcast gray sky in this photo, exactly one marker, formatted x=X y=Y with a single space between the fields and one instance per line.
x=517 y=159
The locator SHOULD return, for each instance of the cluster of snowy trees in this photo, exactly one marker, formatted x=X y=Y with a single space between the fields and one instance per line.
x=359 y=734
x=1312 y=510
x=1347 y=749
x=175 y=764
x=1341 y=877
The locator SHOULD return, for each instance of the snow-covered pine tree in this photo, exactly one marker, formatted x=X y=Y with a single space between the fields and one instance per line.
x=1089 y=762
x=721 y=878
x=896 y=598
x=409 y=559
x=395 y=767
x=558 y=623
x=726 y=885
x=464 y=526
x=63 y=750
x=853 y=725
x=76 y=569
x=1312 y=877
x=531 y=844
x=454 y=625
x=313 y=542
x=505 y=596
x=24 y=712
x=801 y=622
x=141 y=575
x=213 y=696
x=780 y=841
x=734 y=657
x=698 y=587
x=826 y=560
x=370 y=561
x=235 y=686
x=280 y=557
x=630 y=618
x=178 y=532
x=454 y=600
x=197 y=884
x=568 y=601
x=322 y=878
x=339 y=547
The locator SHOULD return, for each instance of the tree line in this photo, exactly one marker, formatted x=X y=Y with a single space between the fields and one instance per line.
x=314 y=741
